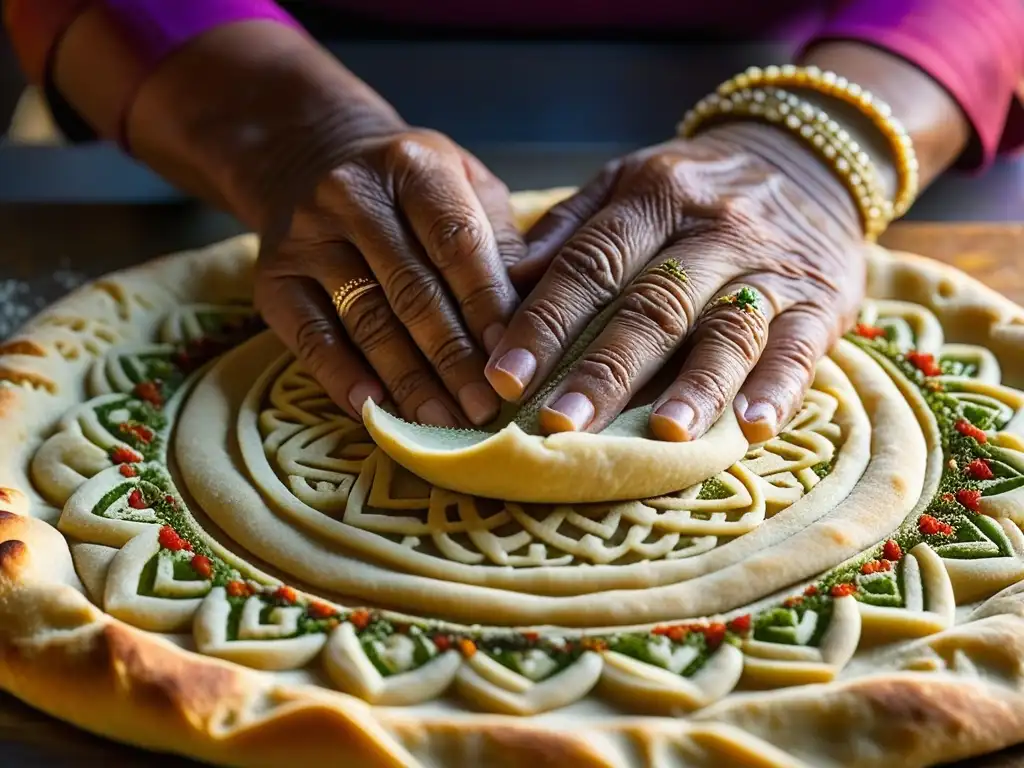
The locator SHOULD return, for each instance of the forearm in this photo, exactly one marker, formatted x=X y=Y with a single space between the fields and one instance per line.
x=948 y=68
x=938 y=127
x=242 y=115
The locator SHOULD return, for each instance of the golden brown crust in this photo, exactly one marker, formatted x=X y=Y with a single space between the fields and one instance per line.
x=61 y=654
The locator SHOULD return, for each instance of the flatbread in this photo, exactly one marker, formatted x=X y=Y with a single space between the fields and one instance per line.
x=200 y=554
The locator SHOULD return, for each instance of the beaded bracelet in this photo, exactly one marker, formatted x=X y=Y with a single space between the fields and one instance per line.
x=835 y=86
x=815 y=128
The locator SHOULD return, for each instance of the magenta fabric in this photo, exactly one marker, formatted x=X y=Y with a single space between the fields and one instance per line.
x=974 y=48
x=157 y=28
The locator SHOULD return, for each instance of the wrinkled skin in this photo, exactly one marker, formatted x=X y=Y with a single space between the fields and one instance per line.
x=742 y=206
x=731 y=219
x=433 y=226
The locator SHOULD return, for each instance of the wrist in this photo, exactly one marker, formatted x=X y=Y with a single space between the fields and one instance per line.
x=253 y=113
x=797 y=162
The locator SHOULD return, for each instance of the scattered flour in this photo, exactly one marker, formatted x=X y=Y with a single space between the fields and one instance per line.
x=21 y=299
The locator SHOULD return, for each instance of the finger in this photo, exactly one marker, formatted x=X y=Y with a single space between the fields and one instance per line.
x=649 y=323
x=377 y=333
x=775 y=389
x=557 y=225
x=300 y=313
x=449 y=220
x=728 y=341
x=415 y=293
x=494 y=197
x=589 y=272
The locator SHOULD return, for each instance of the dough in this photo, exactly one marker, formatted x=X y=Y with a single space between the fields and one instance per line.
x=200 y=554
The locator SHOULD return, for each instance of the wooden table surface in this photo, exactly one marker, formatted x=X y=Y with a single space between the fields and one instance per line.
x=992 y=253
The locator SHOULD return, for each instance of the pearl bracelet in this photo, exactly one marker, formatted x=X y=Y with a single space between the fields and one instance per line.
x=835 y=86
x=813 y=127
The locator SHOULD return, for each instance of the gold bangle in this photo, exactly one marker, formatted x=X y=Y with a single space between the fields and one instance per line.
x=838 y=87
x=815 y=128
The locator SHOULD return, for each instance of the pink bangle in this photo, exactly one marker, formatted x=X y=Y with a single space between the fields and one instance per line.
x=156 y=29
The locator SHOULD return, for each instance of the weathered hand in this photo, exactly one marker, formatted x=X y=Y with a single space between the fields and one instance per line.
x=742 y=208
x=429 y=223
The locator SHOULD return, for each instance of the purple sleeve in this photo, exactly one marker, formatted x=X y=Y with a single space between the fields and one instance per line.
x=973 y=48
x=158 y=28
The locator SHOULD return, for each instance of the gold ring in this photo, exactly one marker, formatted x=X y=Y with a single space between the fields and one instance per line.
x=745 y=300
x=672 y=269
x=346 y=296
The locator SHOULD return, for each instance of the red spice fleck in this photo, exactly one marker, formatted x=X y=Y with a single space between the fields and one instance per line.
x=677 y=633
x=741 y=624
x=869 y=331
x=930 y=526
x=891 y=550
x=466 y=647
x=137 y=501
x=285 y=594
x=169 y=499
x=150 y=392
x=122 y=454
x=875 y=566
x=169 y=539
x=661 y=629
x=924 y=362
x=320 y=610
x=238 y=589
x=128 y=470
x=360 y=619
x=811 y=591
x=714 y=634
x=140 y=432
x=969 y=499
x=949 y=498
x=593 y=644
x=967 y=429
x=843 y=590
x=792 y=602
x=531 y=637
x=201 y=564
x=443 y=642
x=979 y=469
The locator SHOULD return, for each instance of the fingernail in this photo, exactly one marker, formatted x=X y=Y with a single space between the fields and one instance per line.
x=672 y=421
x=511 y=375
x=363 y=391
x=479 y=402
x=572 y=412
x=434 y=412
x=759 y=419
x=492 y=336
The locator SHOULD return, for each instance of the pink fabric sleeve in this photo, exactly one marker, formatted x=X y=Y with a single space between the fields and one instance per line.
x=973 y=48
x=157 y=28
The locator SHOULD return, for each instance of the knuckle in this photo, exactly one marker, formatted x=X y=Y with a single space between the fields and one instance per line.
x=795 y=352
x=371 y=325
x=611 y=369
x=595 y=259
x=314 y=342
x=450 y=354
x=415 y=297
x=410 y=384
x=482 y=300
x=456 y=237
x=740 y=335
x=548 y=317
x=710 y=386
x=658 y=307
